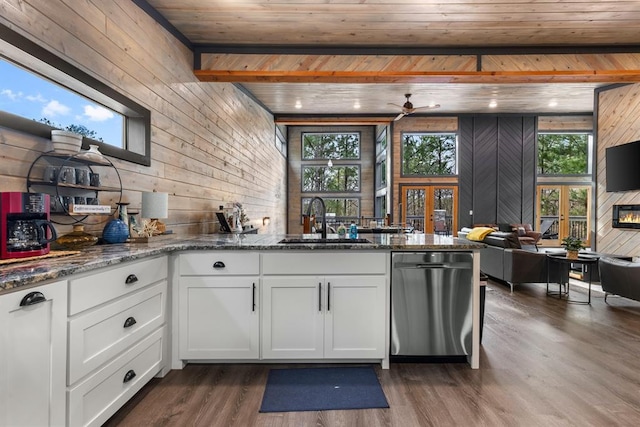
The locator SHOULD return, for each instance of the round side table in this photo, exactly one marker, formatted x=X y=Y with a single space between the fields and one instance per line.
x=562 y=260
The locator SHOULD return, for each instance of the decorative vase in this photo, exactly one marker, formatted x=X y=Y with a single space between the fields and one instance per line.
x=572 y=254
x=77 y=239
x=66 y=142
x=116 y=231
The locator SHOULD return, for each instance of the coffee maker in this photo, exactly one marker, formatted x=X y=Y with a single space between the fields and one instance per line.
x=25 y=229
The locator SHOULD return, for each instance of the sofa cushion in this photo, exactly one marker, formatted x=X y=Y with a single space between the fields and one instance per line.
x=502 y=239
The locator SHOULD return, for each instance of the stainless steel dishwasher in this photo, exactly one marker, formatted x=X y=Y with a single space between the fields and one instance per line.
x=431 y=304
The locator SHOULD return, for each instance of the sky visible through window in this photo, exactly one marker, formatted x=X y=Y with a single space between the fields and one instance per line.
x=26 y=94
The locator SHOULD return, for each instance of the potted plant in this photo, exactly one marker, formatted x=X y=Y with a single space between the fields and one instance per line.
x=572 y=245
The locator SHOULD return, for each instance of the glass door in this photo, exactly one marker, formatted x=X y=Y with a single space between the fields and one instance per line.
x=431 y=209
x=564 y=210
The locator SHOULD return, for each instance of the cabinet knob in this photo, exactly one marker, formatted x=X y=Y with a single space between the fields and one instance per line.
x=32 y=298
x=129 y=322
x=131 y=279
x=219 y=264
x=131 y=374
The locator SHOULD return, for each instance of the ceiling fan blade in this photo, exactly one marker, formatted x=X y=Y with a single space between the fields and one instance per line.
x=427 y=107
x=395 y=105
x=399 y=116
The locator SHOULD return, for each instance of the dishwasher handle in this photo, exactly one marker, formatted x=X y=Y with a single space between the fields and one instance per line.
x=431 y=265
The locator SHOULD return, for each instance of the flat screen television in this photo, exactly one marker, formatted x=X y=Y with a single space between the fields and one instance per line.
x=623 y=167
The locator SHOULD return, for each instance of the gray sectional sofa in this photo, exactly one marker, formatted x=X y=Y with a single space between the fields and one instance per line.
x=505 y=260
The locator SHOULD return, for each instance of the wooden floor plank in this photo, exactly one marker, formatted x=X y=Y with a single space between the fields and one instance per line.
x=544 y=362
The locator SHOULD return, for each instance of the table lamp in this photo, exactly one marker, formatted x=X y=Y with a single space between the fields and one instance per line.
x=155 y=206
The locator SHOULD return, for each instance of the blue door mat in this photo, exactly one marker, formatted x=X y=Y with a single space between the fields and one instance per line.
x=322 y=389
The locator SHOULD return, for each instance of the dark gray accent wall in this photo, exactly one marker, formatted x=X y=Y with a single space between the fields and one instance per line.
x=497 y=169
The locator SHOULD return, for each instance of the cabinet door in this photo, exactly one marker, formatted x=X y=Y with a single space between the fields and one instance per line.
x=355 y=317
x=33 y=357
x=293 y=317
x=219 y=317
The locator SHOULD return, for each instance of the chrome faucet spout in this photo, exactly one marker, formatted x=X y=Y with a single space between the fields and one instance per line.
x=324 y=214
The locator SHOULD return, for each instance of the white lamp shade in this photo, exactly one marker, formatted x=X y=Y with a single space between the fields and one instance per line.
x=155 y=205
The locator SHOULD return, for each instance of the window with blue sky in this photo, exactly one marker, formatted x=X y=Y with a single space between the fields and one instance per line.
x=28 y=95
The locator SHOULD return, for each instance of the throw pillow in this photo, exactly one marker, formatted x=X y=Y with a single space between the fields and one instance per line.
x=513 y=241
x=504 y=227
x=521 y=231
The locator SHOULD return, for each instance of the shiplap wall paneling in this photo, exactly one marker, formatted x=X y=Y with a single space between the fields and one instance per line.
x=211 y=144
x=465 y=172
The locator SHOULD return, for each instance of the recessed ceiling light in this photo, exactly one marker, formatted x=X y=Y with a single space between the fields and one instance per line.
x=356 y=105
x=553 y=103
x=493 y=103
x=298 y=104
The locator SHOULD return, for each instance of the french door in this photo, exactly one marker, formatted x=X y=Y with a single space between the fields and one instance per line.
x=564 y=210
x=430 y=208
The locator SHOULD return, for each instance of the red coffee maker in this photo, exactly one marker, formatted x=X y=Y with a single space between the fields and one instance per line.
x=25 y=229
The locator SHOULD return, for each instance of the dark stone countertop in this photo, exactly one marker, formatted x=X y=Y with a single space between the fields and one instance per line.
x=26 y=273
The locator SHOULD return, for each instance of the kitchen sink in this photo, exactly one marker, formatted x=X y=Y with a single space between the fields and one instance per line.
x=295 y=240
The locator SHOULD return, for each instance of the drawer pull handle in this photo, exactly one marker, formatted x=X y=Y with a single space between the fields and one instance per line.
x=32 y=298
x=129 y=376
x=219 y=264
x=131 y=279
x=129 y=322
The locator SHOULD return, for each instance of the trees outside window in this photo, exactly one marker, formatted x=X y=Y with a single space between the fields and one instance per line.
x=330 y=145
x=563 y=153
x=426 y=154
x=318 y=179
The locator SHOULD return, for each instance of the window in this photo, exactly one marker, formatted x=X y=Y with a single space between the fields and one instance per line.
x=330 y=179
x=44 y=92
x=564 y=153
x=425 y=154
x=281 y=141
x=324 y=146
x=339 y=209
x=381 y=173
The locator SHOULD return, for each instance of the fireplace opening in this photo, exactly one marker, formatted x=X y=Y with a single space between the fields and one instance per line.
x=626 y=216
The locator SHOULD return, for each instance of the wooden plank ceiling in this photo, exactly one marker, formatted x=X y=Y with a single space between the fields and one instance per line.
x=461 y=54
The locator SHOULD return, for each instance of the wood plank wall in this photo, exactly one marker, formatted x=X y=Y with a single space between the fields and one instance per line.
x=617 y=123
x=367 y=168
x=211 y=144
x=412 y=124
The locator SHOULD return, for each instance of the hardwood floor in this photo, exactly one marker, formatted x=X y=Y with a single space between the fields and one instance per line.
x=544 y=362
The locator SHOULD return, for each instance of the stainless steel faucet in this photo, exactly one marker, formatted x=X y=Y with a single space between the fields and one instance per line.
x=324 y=215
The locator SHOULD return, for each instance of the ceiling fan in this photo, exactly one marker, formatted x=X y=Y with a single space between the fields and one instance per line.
x=408 y=108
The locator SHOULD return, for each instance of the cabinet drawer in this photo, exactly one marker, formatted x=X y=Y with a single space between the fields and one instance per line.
x=317 y=262
x=94 y=400
x=216 y=263
x=109 y=283
x=99 y=335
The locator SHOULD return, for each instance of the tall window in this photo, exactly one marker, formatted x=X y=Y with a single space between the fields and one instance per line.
x=328 y=170
x=564 y=153
x=427 y=154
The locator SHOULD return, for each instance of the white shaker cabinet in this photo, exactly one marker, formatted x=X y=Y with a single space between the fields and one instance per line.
x=323 y=317
x=218 y=311
x=310 y=313
x=33 y=356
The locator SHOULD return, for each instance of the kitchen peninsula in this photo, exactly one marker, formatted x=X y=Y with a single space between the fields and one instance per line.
x=216 y=298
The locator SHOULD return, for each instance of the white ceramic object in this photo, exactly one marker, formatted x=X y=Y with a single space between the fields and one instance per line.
x=93 y=153
x=66 y=142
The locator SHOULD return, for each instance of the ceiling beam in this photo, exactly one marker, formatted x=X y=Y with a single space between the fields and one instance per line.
x=487 y=77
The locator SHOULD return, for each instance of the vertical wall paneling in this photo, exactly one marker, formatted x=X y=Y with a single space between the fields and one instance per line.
x=510 y=171
x=485 y=171
x=465 y=171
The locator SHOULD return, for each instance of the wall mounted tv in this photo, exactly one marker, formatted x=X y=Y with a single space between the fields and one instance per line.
x=623 y=167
